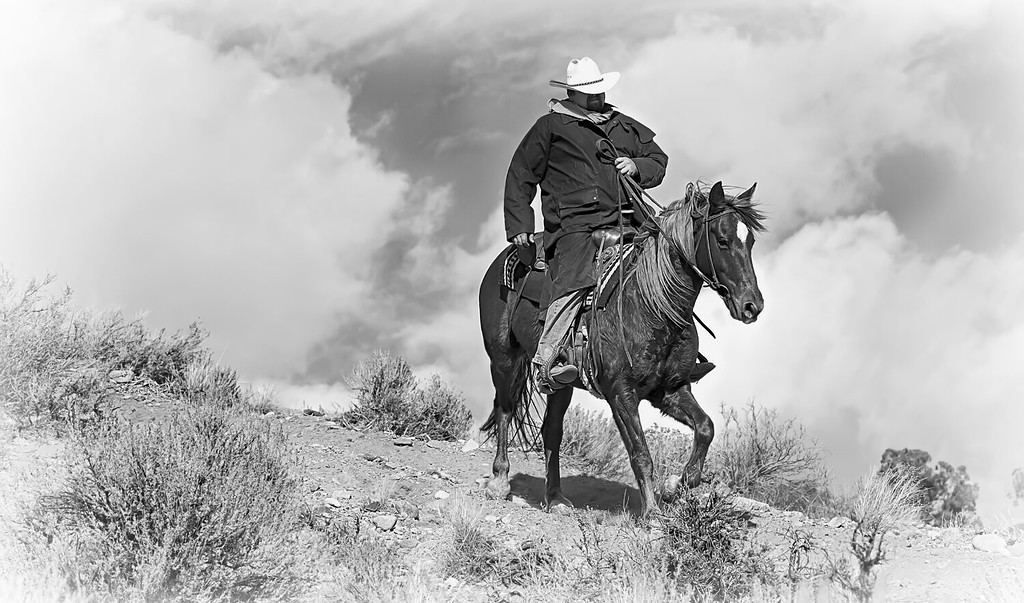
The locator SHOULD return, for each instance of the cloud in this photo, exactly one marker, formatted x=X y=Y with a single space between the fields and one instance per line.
x=874 y=344
x=811 y=111
x=152 y=172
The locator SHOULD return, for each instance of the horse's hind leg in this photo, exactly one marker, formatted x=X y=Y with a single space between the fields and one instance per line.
x=503 y=375
x=683 y=407
x=554 y=414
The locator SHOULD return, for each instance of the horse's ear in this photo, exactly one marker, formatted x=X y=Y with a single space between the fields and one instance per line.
x=749 y=193
x=717 y=196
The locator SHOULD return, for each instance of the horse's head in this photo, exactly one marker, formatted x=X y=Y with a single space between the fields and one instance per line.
x=724 y=236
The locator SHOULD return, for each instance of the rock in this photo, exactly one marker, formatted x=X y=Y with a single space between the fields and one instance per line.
x=990 y=543
x=1017 y=549
x=442 y=475
x=342 y=495
x=672 y=483
x=750 y=505
x=452 y=582
x=408 y=509
x=519 y=500
x=309 y=412
x=332 y=502
x=404 y=441
x=390 y=465
x=373 y=458
x=269 y=413
x=121 y=376
x=385 y=522
x=491 y=518
x=838 y=522
x=470 y=446
x=436 y=444
x=482 y=481
x=441 y=495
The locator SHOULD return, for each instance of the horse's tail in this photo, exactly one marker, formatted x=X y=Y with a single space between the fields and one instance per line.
x=527 y=407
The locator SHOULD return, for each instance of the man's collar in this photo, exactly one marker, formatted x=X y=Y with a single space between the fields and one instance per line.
x=572 y=111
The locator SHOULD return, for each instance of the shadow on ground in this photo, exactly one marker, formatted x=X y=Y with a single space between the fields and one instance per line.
x=583 y=490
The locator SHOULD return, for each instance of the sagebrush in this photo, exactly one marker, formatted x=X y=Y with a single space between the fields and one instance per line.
x=57 y=362
x=389 y=398
x=199 y=505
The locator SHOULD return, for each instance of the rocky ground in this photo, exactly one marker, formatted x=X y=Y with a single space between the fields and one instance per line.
x=399 y=490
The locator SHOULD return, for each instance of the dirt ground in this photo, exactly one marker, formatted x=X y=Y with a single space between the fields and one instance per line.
x=345 y=469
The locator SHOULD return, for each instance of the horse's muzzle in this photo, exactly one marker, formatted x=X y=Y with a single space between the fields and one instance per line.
x=750 y=312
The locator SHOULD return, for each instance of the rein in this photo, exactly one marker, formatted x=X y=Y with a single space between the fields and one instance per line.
x=643 y=201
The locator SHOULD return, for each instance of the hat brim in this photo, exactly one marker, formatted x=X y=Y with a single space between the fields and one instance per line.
x=607 y=81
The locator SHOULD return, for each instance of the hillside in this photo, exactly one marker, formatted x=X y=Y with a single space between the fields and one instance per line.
x=406 y=499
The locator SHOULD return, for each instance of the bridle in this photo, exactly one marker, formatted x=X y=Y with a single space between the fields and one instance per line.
x=711 y=282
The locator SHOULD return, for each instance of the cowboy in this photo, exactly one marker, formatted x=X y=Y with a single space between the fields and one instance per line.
x=580 y=193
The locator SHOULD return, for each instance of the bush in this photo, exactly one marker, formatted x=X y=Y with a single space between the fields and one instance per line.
x=198 y=506
x=949 y=494
x=760 y=455
x=55 y=361
x=883 y=500
x=705 y=546
x=592 y=442
x=388 y=398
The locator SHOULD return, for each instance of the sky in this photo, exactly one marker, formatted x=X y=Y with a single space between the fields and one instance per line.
x=314 y=180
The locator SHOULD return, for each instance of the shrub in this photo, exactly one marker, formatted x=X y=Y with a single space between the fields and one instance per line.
x=389 y=398
x=948 y=492
x=474 y=554
x=705 y=547
x=760 y=455
x=197 y=506
x=55 y=360
x=593 y=443
x=883 y=500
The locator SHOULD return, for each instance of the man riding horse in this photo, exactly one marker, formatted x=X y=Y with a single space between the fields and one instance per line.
x=580 y=193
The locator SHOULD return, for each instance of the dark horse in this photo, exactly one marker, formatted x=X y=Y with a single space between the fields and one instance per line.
x=646 y=341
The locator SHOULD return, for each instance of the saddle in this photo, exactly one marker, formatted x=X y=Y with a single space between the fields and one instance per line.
x=524 y=272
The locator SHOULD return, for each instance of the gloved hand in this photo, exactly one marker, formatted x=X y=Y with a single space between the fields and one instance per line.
x=626 y=166
x=523 y=239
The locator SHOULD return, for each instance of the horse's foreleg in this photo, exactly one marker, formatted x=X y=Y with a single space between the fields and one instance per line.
x=558 y=402
x=625 y=411
x=681 y=406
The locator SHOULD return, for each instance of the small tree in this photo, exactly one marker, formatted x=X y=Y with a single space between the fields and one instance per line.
x=948 y=491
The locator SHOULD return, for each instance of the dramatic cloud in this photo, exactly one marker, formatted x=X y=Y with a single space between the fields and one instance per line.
x=153 y=173
x=875 y=345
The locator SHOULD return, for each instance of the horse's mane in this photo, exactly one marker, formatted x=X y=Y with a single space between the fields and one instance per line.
x=660 y=285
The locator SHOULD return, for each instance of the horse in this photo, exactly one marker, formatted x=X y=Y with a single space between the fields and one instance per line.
x=644 y=342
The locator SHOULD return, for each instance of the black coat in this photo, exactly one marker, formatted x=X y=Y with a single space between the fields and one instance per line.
x=580 y=193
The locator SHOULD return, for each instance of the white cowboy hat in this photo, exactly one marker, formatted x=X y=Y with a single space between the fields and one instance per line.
x=584 y=76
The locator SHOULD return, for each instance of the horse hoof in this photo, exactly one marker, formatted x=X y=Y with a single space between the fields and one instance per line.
x=498 y=490
x=560 y=505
